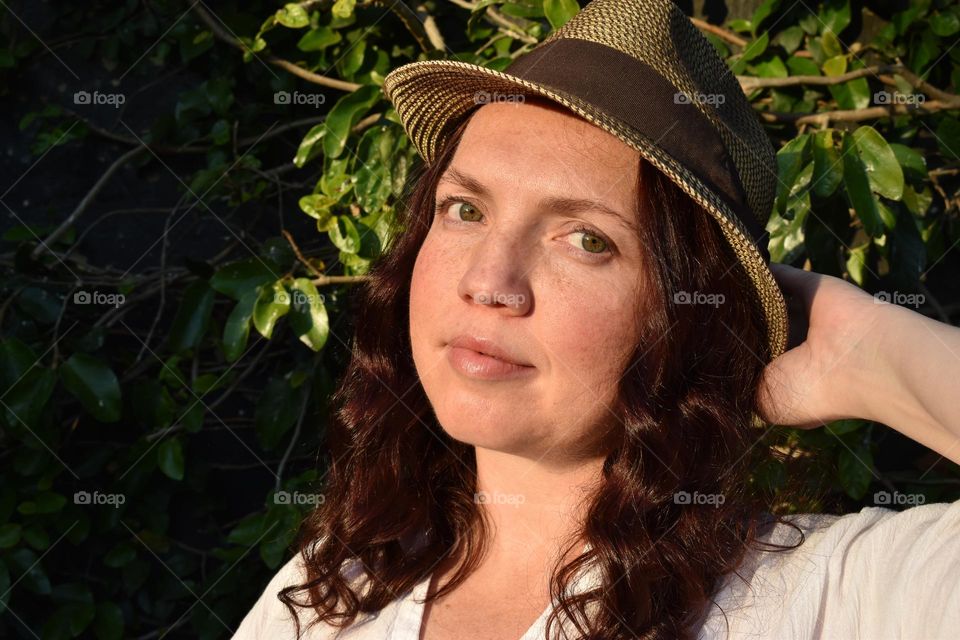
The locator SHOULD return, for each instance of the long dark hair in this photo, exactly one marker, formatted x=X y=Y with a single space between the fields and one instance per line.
x=686 y=408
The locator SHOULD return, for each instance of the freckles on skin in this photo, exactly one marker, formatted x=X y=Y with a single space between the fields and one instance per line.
x=592 y=332
x=581 y=326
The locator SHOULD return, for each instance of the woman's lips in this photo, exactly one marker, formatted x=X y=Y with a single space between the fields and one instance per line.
x=481 y=366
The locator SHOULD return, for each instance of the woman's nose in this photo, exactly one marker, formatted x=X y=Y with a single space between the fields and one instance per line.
x=497 y=274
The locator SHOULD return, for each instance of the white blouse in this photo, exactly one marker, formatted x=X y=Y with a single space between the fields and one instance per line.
x=873 y=574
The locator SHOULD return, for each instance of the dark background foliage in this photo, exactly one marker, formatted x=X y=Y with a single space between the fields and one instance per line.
x=190 y=191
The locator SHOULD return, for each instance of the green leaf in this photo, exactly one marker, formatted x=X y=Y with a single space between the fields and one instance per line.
x=293 y=16
x=791 y=159
x=308 y=314
x=883 y=170
x=319 y=39
x=238 y=278
x=827 y=166
x=272 y=304
x=4 y=586
x=236 y=331
x=351 y=61
x=835 y=66
x=914 y=164
x=756 y=48
x=193 y=316
x=559 y=11
x=26 y=399
x=855 y=470
x=343 y=8
x=248 y=531
x=790 y=38
x=309 y=148
x=121 y=555
x=317 y=205
x=37 y=537
x=345 y=113
x=9 y=535
x=787 y=235
x=857 y=263
x=908 y=254
x=26 y=564
x=108 y=623
x=761 y=13
x=944 y=24
x=94 y=384
x=840 y=427
x=835 y=15
x=40 y=304
x=49 y=502
x=948 y=137
x=277 y=410
x=857 y=183
x=170 y=458
x=344 y=235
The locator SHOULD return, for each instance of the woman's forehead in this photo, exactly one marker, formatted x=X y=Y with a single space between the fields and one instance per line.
x=544 y=146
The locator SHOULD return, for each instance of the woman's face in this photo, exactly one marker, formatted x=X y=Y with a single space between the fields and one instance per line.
x=507 y=260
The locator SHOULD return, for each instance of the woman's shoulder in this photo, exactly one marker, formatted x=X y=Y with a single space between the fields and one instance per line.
x=870 y=527
x=846 y=574
x=269 y=617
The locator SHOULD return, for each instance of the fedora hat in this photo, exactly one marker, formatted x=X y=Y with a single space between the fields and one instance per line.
x=640 y=70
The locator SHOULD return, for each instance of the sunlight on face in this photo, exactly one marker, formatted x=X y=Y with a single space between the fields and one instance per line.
x=517 y=254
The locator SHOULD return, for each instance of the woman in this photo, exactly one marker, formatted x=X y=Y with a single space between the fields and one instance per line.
x=549 y=420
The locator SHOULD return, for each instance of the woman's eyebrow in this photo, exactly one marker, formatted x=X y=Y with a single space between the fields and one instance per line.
x=556 y=204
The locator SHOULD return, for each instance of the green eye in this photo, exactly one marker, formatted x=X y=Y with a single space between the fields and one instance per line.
x=471 y=211
x=589 y=242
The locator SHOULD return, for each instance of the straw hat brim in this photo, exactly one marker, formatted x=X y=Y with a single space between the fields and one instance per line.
x=431 y=96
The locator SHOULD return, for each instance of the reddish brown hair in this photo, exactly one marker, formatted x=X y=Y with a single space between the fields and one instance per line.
x=685 y=406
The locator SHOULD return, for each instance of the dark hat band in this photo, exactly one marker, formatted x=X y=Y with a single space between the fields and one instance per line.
x=632 y=92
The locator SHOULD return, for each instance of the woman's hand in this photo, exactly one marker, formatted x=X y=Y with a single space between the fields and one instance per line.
x=862 y=358
x=814 y=382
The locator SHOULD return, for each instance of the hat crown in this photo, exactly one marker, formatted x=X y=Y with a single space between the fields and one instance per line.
x=659 y=34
